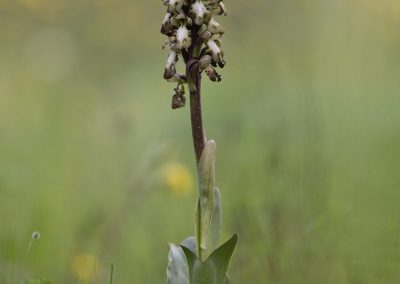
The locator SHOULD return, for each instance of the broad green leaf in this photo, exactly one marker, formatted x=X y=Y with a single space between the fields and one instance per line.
x=178 y=269
x=191 y=260
x=214 y=269
x=190 y=243
x=215 y=225
x=222 y=257
x=206 y=169
x=208 y=218
x=200 y=272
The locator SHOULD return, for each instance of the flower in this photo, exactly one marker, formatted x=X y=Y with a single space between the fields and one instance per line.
x=182 y=37
x=200 y=13
x=217 y=8
x=178 y=179
x=216 y=52
x=167 y=27
x=178 y=98
x=175 y=5
x=214 y=27
x=222 y=9
x=212 y=74
x=36 y=235
x=170 y=70
x=87 y=267
x=205 y=65
x=192 y=33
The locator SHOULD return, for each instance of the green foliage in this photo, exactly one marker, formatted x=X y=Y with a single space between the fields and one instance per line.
x=205 y=261
x=208 y=216
x=186 y=268
x=213 y=270
x=178 y=269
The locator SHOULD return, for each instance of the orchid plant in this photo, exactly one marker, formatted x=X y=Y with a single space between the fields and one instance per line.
x=194 y=35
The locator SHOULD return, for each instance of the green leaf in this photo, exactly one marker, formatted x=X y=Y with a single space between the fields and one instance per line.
x=215 y=224
x=206 y=169
x=178 y=269
x=208 y=216
x=197 y=228
x=190 y=243
x=191 y=260
x=200 y=272
x=214 y=269
x=222 y=257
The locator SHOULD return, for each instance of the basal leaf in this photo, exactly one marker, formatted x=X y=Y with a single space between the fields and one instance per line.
x=190 y=243
x=214 y=269
x=178 y=269
x=222 y=257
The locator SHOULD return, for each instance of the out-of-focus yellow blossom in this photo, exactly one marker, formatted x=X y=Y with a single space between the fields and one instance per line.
x=87 y=267
x=178 y=179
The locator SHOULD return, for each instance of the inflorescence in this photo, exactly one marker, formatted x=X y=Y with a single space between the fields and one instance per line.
x=193 y=34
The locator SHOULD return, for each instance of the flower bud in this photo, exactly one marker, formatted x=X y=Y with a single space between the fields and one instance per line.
x=183 y=38
x=200 y=13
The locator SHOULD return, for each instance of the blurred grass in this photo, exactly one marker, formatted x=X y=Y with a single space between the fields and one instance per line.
x=306 y=120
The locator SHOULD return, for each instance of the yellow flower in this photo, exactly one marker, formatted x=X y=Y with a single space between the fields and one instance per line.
x=87 y=267
x=178 y=179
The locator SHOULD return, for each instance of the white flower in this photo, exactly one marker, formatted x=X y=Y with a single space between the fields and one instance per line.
x=167 y=18
x=175 y=5
x=216 y=52
x=223 y=8
x=166 y=27
x=36 y=235
x=214 y=48
x=214 y=27
x=183 y=38
x=170 y=66
x=171 y=58
x=200 y=13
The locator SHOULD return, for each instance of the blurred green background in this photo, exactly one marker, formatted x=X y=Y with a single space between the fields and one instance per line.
x=306 y=120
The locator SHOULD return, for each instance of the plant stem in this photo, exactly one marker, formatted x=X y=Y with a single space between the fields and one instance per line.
x=197 y=120
x=194 y=81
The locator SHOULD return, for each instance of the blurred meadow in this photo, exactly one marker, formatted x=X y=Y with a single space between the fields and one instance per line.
x=306 y=119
